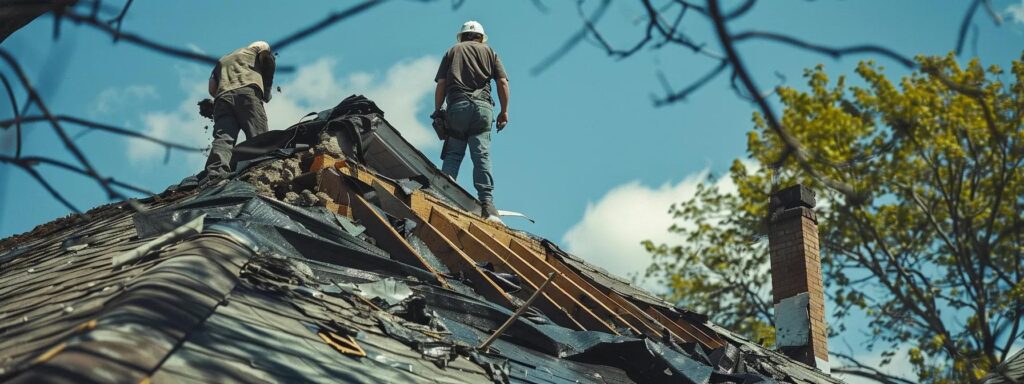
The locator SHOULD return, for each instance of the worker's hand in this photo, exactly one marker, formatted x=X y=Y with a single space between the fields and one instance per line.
x=502 y=120
x=438 y=123
x=206 y=108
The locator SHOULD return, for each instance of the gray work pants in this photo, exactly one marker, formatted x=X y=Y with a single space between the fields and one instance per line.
x=469 y=124
x=236 y=110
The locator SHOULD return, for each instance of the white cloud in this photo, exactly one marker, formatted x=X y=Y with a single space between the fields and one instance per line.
x=401 y=92
x=114 y=99
x=610 y=232
x=1015 y=12
x=182 y=125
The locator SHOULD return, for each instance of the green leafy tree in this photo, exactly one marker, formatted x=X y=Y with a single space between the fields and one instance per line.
x=928 y=249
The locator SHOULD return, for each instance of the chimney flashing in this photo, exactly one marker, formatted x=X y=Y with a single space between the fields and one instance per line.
x=793 y=322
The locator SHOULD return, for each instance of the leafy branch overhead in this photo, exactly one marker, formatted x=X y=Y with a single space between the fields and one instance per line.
x=930 y=256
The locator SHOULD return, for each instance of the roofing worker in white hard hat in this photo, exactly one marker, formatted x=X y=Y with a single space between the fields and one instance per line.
x=240 y=84
x=464 y=79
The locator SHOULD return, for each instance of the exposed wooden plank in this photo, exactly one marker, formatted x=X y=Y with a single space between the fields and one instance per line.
x=462 y=219
x=423 y=206
x=477 y=250
x=457 y=261
x=387 y=238
x=562 y=290
x=322 y=161
x=419 y=204
x=592 y=296
x=685 y=330
x=331 y=182
x=701 y=330
x=631 y=311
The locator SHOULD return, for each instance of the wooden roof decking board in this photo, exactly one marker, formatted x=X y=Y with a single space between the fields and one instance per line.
x=482 y=253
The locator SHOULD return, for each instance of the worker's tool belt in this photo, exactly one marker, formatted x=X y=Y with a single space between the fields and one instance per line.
x=473 y=98
x=458 y=135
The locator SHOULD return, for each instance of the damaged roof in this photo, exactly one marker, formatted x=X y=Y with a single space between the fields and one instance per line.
x=338 y=252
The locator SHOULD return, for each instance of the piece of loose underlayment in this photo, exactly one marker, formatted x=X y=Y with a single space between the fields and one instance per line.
x=188 y=229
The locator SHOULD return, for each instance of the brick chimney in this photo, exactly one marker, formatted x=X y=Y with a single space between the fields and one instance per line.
x=797 y=290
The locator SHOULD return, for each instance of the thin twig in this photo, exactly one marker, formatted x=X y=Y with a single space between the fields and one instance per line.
x=33 y=160
x=570 y=43
x=145 y=43
x=323 y=24
x=833 y=52
x=119 y=20
x=24 y=165
x=866 y=371
x=14 y=109
x=685 y=92
x=741 y=10
x=101 y=127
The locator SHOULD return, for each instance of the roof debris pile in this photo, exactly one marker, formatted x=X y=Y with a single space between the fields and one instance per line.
x=337 y=252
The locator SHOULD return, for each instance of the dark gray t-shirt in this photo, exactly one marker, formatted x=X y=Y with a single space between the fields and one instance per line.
x=469 y=66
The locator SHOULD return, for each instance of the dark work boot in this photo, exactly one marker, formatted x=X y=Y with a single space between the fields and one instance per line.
x=489 y=212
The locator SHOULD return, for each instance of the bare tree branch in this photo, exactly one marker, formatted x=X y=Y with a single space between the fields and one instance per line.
x=180 y=53
x=835 y=53
x=113 y=27
x=323 y=24
x=868 y=372
x=14 y=109
x=119 y=20
x=571 y=43
x=969 y=15
x=685 y=92
x=35 y=160
x=28 y=164
x=25 y=166
x=962 y=34
x=612 y=51
x=68 y=144
x=741 y=10
x=100 y=127
x=793 y=146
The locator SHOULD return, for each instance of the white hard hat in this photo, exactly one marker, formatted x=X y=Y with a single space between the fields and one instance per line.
x=471 y=26
x=260 y=45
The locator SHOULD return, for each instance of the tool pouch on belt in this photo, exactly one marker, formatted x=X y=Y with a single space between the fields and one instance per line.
x=479 y=122
x=440 y=124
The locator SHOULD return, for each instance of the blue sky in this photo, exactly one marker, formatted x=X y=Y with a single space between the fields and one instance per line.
x=586 y=153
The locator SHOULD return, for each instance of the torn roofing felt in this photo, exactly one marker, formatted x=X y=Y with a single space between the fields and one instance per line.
x=337 y=252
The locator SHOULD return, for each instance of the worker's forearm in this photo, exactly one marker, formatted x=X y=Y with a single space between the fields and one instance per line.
x=211 y=87
x=503 y=93
x=439 y=95
x=267 y=66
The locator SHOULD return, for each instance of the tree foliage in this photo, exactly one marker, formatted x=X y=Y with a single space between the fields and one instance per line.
x=930 y=256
